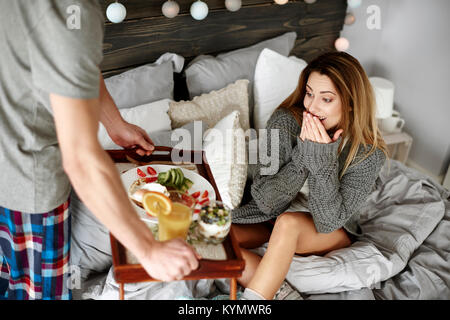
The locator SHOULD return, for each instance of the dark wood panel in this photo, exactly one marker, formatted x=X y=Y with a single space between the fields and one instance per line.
x=141 y=41
x=137 y=9
x=306 y=48
x=309 y=48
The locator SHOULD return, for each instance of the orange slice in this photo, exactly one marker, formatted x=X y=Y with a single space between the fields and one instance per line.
x=156 y=203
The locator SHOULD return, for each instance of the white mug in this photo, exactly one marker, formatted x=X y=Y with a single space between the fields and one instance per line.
x=392 y=124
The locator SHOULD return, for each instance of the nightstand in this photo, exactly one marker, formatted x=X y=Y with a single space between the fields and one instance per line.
x=398 y=144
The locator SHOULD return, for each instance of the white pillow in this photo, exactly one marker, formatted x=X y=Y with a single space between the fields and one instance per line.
x=276 y=77
x=151 y=117
x=224 y=147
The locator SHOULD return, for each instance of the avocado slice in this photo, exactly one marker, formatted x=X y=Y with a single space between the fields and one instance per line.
x=180 y=177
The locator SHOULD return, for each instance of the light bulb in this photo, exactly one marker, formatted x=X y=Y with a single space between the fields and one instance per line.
x=170 y=9
x=349 y=19
x=199 y=10
x=341 y=44
x=354 y=3
x=310 y=1
x=281 y=2
x=233 y=5
x=116 y=12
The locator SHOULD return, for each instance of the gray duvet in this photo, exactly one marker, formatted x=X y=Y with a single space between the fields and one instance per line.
x=410 y=206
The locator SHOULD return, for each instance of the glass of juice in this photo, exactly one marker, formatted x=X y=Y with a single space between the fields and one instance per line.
x=176 y=223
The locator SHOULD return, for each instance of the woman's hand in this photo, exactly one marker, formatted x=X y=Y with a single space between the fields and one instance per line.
x=313 y=129
x=129 y=136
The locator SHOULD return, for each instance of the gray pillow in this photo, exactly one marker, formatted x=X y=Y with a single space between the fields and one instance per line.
x=206 y=73
x=142 y=85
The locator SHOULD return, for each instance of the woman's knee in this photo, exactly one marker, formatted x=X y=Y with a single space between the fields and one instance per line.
x=290 y=221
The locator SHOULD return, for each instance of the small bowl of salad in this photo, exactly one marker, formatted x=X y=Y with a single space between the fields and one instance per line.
x=214 y=222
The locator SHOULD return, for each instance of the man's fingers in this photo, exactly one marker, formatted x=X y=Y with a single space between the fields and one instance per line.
x=191 y=256
x=199 y=257
x=141 y=152
x=146 y=145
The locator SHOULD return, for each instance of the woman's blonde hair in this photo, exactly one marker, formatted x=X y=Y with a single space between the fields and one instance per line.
x=358 y=102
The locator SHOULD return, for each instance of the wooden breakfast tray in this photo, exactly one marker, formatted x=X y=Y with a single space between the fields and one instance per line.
x=126 y=272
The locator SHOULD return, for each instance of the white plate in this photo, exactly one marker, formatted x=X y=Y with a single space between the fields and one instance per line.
x=199 y=184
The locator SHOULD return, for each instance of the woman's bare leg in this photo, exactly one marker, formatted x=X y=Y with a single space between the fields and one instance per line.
x=250 y=236
x=252 y=261
x=293 y=233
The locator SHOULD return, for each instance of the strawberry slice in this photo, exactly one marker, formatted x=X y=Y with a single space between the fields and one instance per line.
x=196 y=194
x=151 y=179
x=205 y=194
x=203 y=201
x=141 y=173
x=151 y=171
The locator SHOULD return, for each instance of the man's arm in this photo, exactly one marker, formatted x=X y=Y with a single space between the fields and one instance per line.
x=121 y=132
x=109 y=114
x=97 y=182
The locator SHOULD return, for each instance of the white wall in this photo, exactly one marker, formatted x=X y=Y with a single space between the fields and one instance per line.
x=412 y=49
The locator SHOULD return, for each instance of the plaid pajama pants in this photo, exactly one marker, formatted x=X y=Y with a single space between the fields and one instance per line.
x=34 y=255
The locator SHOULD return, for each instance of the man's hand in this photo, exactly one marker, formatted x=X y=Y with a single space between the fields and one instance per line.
x=130 y=136
x=124 y=134
x=170 y=260
x=313 y=130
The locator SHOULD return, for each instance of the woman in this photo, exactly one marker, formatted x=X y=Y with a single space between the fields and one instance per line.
x=330 y=153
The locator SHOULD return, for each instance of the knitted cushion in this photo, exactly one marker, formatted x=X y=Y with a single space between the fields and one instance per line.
x=213 y=106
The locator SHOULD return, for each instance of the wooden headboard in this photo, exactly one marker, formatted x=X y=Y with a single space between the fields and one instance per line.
x=146 y=34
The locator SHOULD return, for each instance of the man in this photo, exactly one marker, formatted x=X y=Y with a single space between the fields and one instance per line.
x=52 y=96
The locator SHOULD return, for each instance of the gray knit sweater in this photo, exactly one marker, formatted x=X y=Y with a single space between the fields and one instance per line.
x=333 y=202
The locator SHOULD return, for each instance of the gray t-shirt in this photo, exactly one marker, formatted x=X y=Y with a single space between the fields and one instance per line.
x=46 y=47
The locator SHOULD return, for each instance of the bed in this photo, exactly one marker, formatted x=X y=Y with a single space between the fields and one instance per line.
x=224 y=70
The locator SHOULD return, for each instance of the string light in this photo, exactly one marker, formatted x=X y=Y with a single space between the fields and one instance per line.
x=349 y=19
x=199 y=10
x=116 y=12
x=170 y=9
x=233 y=5
x=342 y=44
x=354 y=3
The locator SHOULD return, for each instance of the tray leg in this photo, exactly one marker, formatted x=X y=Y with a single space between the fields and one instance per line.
x=233 y=288
x=121 y=291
